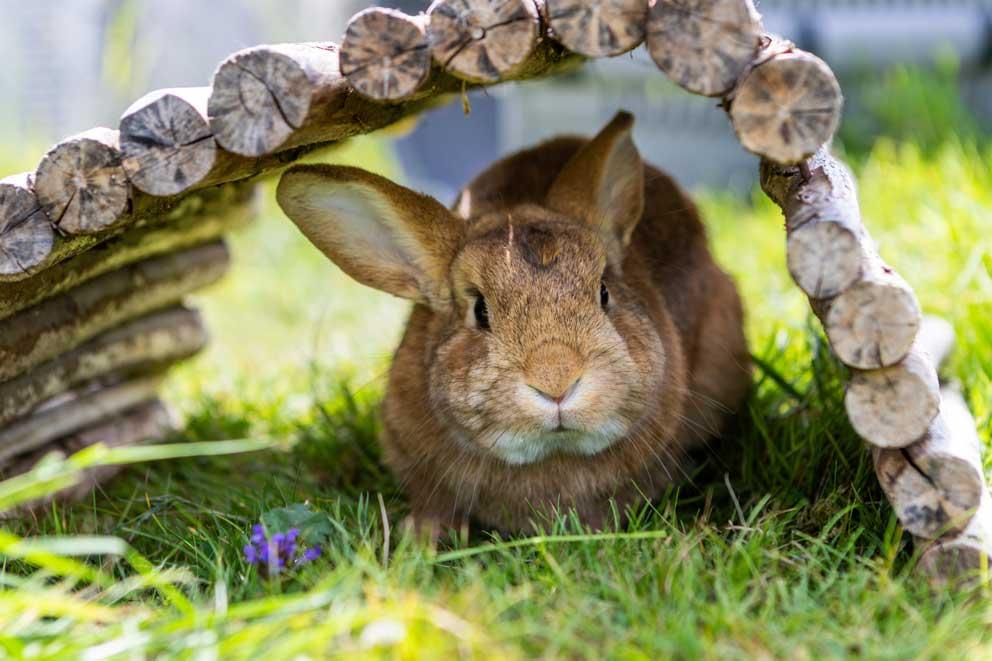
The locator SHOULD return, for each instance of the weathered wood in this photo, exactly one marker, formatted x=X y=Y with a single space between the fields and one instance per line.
x=705 y=46
x=936 y=484
x=483 y=41
x=139 y=346
x=70 y=414
x=62 y=323
x=144 y=423
x=874 y=322
x=598 y=28
x=828 y=246
x=200 y=218
x=270 y=98
x=81 y=184
x=938 y=338
x=964 y=556
x=893 y=407
x=385 y=54
x=166 y=143
x=787 y=107
x=26 y=233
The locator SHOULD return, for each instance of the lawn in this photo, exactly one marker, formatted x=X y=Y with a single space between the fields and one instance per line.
x=780 y=546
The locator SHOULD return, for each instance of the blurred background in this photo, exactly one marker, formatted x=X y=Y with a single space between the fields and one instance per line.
x=917 y=75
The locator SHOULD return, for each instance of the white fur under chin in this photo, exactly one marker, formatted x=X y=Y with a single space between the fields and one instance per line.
x=519 y=448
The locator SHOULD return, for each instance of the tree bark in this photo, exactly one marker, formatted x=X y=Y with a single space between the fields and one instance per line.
x=144 y=423
x=81 y=184
x=385 y=54
x=26 y=234
x=270 y=98
x=139 y=346
x=201 y=218
x=484 y=41
x=705 y=46
x=936 y=484
x=873 y=323
x=70 y=414
x=893 y=407
x=62 y=323
x=787 y=107
x=828 y=246
x=598 y=28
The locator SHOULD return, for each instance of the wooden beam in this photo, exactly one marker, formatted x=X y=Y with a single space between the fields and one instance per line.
x=64 y=322
x=140 y=346
x=385 y=54
x=200 y=219
x=73 y=412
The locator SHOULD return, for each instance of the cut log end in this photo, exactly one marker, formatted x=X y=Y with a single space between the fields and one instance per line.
x=894 y=406
x=81 y=183
x=166 y=144
x=787 y=107
x=259 y=97
x=932 y=494
x=874 y=323
x=705 y=46
x=598 y=28
x=483 y=41
x=385 y=54
x=825 y=258
x=26 y=234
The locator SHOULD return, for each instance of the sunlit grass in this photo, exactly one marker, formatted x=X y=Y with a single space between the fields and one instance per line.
x=781 y=545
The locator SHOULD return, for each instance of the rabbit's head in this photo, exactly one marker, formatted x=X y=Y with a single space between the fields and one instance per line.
x=539 y=341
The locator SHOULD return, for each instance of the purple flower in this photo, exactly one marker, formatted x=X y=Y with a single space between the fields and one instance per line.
x=272 y=555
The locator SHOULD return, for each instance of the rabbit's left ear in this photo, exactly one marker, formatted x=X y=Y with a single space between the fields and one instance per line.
x=380 y=233
x=603 y=184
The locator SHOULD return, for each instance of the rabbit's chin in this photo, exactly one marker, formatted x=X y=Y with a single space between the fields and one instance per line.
x=521 y=448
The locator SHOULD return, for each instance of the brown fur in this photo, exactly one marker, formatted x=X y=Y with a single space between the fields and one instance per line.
x=666 y=362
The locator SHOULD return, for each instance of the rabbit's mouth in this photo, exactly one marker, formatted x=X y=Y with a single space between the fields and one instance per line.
x=520 y=448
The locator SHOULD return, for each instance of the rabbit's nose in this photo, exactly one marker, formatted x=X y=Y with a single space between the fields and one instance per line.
x=558 y=398
x=554 y=372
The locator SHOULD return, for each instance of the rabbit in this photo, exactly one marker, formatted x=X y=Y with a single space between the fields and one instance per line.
x=571 y=339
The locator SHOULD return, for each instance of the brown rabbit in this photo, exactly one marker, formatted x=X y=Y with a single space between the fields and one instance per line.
x=572 y=337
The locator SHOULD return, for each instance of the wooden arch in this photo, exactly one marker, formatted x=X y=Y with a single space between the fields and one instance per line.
x=101 y=243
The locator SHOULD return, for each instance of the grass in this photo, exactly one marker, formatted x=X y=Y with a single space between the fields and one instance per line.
x=780 y=546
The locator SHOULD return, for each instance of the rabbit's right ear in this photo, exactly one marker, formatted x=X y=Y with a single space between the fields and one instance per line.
x=381 y=234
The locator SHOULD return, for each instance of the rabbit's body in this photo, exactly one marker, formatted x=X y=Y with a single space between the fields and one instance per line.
x=520 y=386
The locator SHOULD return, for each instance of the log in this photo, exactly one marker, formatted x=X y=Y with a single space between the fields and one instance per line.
x=787 y=107
x=271 y=98
x=26 y=234
x=483 y=41
x=166 y=143
x=62 y=323
x=828 y=246
x=598 y=28
x=140 y=346
x=964 y=556
x=936 y=484
x=705 y=46
x=81 y=184
x=144 y=423
x=200 y=218
x=385 y=54
x=894 y=407
x=873 y=323
x=68 y=415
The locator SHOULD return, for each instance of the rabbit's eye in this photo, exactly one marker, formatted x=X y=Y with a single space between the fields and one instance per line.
x=604 y=294
x=481 y=313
